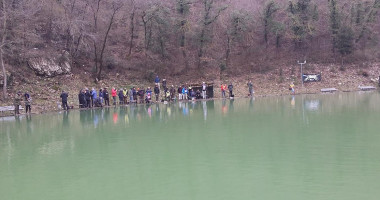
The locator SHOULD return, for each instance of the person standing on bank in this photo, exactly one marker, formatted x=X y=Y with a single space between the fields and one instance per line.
x=156 y=92
x=204 y=87
x=93 y=96
x=28 y=102
x=17 y=103
x=230 y=89
x=114 y=94
x=291 y=87
x=172 y=93
x=157 y=81
x=101 y=95
x=64 y=97
x=250 y=88
x=88 y=98
x=121 y=96
x=179 y=93
x=131 y=96
x=106 y=97
x=223 y=90
x=164 y=85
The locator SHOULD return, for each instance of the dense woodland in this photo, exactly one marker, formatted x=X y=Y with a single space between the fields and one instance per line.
x=182 y=36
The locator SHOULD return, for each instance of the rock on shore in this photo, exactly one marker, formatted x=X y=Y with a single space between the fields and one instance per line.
x=51 y=67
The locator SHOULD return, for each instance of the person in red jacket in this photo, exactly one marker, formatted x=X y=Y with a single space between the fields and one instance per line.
x=114 y=94
x=223 y=89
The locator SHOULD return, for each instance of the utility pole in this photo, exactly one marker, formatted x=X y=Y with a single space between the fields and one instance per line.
x=301 y=70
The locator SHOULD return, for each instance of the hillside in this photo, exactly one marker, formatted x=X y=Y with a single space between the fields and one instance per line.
x=128 y=42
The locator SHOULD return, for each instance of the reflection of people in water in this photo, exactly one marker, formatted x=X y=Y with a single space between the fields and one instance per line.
x=224 y=107
x=204 y=110
x=185 y=109
x=231 y=107
x=65 y=119
x=251 y=102
x=293 y=102
x=96 y=120
x=115 y=117
x=29 y=124
x=169 y=111
x=149 y=110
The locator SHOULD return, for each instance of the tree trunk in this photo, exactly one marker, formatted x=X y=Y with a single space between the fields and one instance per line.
x=200 y=52
x=228 y=51
x=99 y=73
x=132 y=32
x=145 y=29
x=4 y=74
x=1 y=49
x=183 y=42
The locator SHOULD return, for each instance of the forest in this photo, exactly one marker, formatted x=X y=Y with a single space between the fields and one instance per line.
x=177 y=37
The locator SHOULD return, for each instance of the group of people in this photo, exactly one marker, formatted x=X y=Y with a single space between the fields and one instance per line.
x=92 y=98
x=19 y=98
x=161 y=92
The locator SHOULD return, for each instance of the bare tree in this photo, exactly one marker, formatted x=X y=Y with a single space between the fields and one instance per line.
x=209 y=17
x=183 y=8
x=100 y=45
x=2 y=45
x=132 y=26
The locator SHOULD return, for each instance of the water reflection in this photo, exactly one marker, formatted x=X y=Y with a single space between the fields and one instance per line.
x=29 y=124
x=204 y=107
x=306 y=106
x=293 y=102
x=224 y=107
x=266 y=144
x=65 y=119
x=312 y=104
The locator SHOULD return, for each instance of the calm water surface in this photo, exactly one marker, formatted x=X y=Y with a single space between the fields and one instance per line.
x=304 y=147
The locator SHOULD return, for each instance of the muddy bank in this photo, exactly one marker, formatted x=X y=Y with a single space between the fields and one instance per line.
x=46 y=91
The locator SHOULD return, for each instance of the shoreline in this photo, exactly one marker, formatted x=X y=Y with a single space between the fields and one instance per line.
x=46 y=91
x=51 y=111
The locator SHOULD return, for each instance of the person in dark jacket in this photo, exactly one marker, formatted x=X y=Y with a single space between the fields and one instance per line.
x=157 y=92
x=28 y=102
x=172 y=93
x=121 y=97
x=134 y=94
x=106 y=97
x=230 y=89
x=141 y=94
x=101 y=95
x=198 y=94
x=164 y=84
x=88 y=98
x=64 y=97
x=82 y=99
x=179 y=93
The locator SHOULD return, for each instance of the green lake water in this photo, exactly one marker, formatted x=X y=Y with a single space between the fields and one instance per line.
x=298 y=148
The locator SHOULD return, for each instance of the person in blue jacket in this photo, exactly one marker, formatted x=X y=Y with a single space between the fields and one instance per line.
x=184 y=93
x=93 y=96
x=157 y=81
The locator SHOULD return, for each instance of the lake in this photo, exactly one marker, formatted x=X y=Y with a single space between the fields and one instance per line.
x=302 y=147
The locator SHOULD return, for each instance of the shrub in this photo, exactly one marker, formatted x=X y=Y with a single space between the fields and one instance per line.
x=222 y=66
